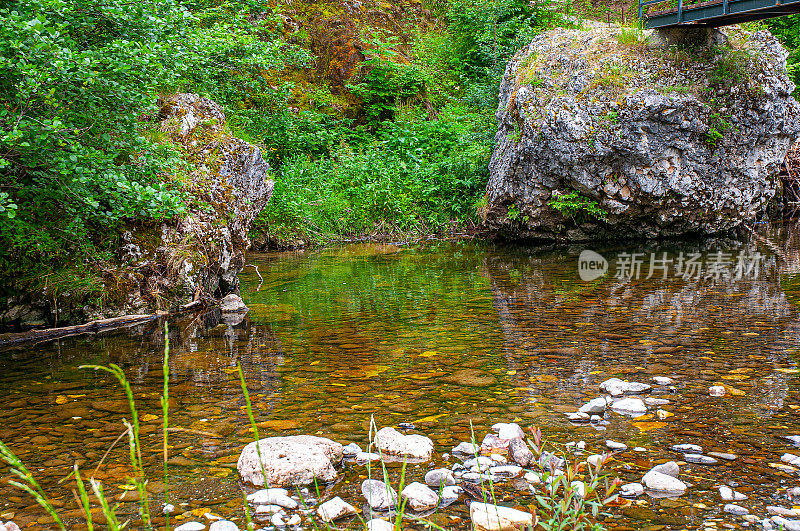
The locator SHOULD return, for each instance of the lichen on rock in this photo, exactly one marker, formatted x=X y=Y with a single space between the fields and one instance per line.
x=603 y=134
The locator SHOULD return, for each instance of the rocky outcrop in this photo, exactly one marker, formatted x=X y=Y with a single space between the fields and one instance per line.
x=603 y=134
x=289 y=461
x=197 y=255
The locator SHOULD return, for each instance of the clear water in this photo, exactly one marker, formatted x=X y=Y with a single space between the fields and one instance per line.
x=452 y=337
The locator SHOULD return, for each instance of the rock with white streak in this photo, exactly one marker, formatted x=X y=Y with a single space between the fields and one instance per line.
x=335 y=509
x=419 y=497
x=489 y=517
x=392 y=442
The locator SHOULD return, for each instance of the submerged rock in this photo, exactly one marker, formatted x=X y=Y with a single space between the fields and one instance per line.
x=376 y=524
x=439 y=477
x=278 y=497
x=617 y=387
x=379 y=495
x=587 y=121
x=288 y=461
x=629 y=406
x=419 y=497
x=335 y=509
x=520 y=452
x=392 y=442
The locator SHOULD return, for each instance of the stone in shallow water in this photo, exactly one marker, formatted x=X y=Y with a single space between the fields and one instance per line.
x=508 y=431
x=791 y=459
x=450 y=494
x=232 y=303
x=366 y=457
x=687 y=448
x=334 y=509
x=629 y=406
x=662 y=483
x=617 y=387
x=488 y=517
x=617 y=446
x=272 y=497
x=784 y=524
x=699 y=459
x=379 y=495
x=735 y=509
x=663 y=380
x=594 y=459
x=419 y=497
x=520 y=452
x=716 y=390
x=287 y=461
x=728 y=494
x=439 y=476
x=506 y=471
x=669 y=468
x=653 y=401
x=466 y=448
x=723 y=455
x=782 y=511
x=351 y=450
x=392 y=442
x=594 y=406
x=631 y=490
x=578 y=416
x=269 y=509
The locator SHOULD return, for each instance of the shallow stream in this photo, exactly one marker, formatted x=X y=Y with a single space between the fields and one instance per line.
x=451 y=337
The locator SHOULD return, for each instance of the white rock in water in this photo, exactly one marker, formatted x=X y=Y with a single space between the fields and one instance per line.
x=786 y=525
x=439 y=476
x=293 y=460
x=488 y=517
x=419 y=497
x=376 y=524
x=699 y=459
x=533 y=478
x=578 y=416
x=508 y=430
x=191 y=526
x=393 y=442
x=351 y=450
x=379 y=495
x=272 y=497
x=653 y=401
x=728 y=494
x=366 y=457
x=716 y=390
x=629 y=406
x=794 y=439
x=791 y=459
x=631 y=490
x=735 y=509
x=334 y=509
x=167 y=509
x=277 y=520
x=11 y=526
x=595 y=406
x=659 y=482
x=233 y=304
x=594 y=459
x=782 y=511
x=223 y=525
x=617 y=387
x=723 y=455
x=663 y=380
x=614 y=445
x=466 y=448
x=506 y=471
x=579 y=488
x=450 y=494
x=687 y=448
x=669 y=468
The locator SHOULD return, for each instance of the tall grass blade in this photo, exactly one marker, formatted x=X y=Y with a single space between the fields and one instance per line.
x=165 y=417
x=253 y=424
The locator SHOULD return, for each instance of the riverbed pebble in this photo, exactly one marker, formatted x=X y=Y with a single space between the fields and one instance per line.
x=687 y=448
x=631 y=490
x=616 y=446
x=723 y=455
x=520 y=452
x=273 y=496
x=268 y=509
x=292 y=460
x=699 y=459
x=450 y=494
x=508 y=430
x=366 y=457
x=351 y=450
x=466 y=448
x=728 y=494
x=716 y=390
x=594 y=406
x=334 y=509
x=617 y=387
x=393 y=442
x=629 y=406
x=379 y=495
x=419 y=497
x=653 y=401
x=791 y=459
x=736 y=510
x=439 y=476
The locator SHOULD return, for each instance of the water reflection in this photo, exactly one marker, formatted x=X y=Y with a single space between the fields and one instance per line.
x=450 y=337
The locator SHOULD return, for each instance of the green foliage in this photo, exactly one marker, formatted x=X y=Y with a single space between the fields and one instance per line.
x=717 y=126
x=731 y=67
x=576 y=206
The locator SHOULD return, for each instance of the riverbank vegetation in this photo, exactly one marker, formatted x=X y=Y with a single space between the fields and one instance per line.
x=377 y=119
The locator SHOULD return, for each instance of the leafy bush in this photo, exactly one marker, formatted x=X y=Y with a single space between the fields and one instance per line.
x=576 y=206
x=787 y=30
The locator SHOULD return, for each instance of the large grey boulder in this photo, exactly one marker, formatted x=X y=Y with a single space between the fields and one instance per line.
x=663 y=142
x=288 y=461
x=412 y=447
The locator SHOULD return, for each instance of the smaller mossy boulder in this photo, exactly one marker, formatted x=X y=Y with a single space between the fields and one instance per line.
x=606 y=133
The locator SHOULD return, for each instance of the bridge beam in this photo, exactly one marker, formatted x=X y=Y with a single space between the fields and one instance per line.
x=694 y=36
